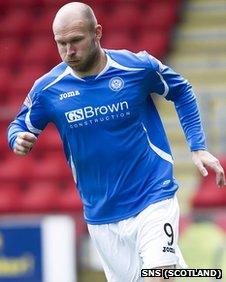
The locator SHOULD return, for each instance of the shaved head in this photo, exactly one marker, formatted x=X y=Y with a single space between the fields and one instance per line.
x=74 y=11
x=78 y=35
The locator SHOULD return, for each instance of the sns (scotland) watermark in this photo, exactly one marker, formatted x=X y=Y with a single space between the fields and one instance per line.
x=192 y=272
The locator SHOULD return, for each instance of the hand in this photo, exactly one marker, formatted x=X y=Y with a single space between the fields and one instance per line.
x=24 y=143
x=203 y=159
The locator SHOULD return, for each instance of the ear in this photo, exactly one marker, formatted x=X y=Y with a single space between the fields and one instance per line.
x=98 y=32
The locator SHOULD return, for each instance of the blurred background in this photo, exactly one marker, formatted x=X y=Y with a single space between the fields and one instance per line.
x=189 y=36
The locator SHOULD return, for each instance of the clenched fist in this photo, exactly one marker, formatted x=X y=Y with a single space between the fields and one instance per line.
x=24 y=143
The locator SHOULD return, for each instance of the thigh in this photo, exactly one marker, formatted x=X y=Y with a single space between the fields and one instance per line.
x=158 y=235
x=118 y=253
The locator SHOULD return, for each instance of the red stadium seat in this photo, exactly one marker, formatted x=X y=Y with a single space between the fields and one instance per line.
x=16 y=168
x=10 y=194
x=40 y=52
x=100 y=2
x=175 y=3
x=16 y=23
x=159 y=16
x=100 y=13
x=3 y=7
x=156 y=43
x=24 y=4
x=69 y=200
x=10 y=52
x=14 y=105
x=4 y=149
x=24 y=80
x=54 y=3
x=5 y=86
x=167 y=11
x=208 y=195
x=44 y=25
x=52 y=167
x=117 y=40
x=125 y=17
x=41 y=196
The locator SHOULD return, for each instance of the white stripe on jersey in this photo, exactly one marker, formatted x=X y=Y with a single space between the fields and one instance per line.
x=157 y=150
x=29 y=125
x=66 y=71
x=166 y=91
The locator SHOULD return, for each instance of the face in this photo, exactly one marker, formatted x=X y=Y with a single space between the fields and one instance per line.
x=78 y=46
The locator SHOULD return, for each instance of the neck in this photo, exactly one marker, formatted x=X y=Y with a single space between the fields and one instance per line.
x=98 y=65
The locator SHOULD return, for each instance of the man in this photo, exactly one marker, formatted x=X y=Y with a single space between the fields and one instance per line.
x=115 y=143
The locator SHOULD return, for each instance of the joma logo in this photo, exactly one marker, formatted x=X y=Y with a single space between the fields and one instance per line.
x=69 y=94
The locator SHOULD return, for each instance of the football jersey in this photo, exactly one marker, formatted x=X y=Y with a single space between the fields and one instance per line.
x=112 y=134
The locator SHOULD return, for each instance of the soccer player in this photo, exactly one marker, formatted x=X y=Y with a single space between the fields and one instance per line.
x=115 y=143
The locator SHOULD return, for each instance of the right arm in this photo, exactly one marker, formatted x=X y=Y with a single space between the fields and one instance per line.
x=28 y=124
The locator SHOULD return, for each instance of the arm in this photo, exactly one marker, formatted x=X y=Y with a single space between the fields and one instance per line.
x=188 y=113
x=28 y=124
x=176 y=89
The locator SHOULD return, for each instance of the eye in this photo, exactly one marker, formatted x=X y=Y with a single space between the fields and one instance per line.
x=76 y=40
x=61 y=43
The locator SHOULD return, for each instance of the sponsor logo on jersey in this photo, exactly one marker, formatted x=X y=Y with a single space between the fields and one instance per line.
x=89 y=111
x=69 y=94
x=116 y=83
x=91 y=115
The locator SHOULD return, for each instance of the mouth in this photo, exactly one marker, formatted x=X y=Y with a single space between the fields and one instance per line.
x=73 y=61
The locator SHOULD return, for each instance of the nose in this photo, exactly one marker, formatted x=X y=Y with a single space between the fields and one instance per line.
x=70 y=50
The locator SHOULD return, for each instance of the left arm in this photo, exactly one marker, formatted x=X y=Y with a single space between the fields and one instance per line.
x=189 y=116
x=175 y=88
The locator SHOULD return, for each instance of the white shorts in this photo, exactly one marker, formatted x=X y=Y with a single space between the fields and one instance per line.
x=147 y=240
